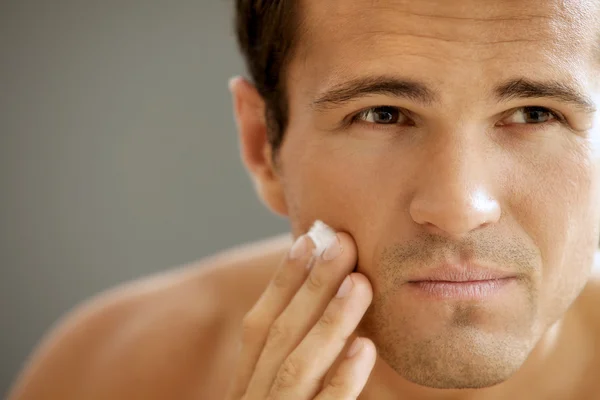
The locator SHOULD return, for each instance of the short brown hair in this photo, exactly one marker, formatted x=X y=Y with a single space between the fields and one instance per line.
x=266 y=30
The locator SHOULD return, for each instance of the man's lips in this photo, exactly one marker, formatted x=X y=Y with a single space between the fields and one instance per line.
x=466 y=282
x=456 y=273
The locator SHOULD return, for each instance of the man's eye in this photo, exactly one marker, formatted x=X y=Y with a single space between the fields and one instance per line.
x=385 y=115
x=533 y=115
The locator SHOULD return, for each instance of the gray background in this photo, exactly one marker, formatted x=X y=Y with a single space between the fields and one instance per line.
x=118 y=152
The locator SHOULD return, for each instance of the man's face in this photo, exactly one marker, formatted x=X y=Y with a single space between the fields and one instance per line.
x=461 y=168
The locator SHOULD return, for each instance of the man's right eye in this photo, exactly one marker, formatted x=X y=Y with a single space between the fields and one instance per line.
x=383 y=115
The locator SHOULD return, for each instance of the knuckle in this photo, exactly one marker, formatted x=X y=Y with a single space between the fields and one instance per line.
x=339 y=387
x=315 y=283
x=288 y=376
x=280 y=281
x=328 y=322
x=278 y=333
x=252 y=327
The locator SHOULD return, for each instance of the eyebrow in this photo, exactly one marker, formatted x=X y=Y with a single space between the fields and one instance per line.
x=525 y=88
x=518 y=88
x=361 y=87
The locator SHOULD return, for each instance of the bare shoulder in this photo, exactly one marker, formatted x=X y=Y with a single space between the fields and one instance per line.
x=589 y=299
x=587 y=311
x=154 y=338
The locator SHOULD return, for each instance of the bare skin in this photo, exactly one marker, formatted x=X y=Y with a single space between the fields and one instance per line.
x=428 y=133
x=177 y=335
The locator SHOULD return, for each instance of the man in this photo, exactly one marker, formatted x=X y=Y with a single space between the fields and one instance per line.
x=453 y=147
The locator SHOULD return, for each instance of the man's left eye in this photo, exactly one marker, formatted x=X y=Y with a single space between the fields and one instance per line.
x=382 y=115
x=532 y=115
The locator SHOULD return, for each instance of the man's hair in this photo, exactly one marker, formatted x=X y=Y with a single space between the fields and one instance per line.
x=266 y=30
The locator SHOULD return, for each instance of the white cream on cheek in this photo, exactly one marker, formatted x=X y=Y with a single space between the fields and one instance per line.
x=321 y=235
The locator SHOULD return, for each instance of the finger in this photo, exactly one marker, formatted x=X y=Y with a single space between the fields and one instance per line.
x=285 y=283
x=305 y=368
x=352 y=374
x=303 y=311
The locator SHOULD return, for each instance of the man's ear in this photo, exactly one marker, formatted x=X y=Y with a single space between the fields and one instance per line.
x=256 y=151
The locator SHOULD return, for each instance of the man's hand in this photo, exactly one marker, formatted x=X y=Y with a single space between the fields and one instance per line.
x=301 y=323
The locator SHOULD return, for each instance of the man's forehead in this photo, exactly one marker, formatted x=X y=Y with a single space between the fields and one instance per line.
x=340 y=37
x=576 y=14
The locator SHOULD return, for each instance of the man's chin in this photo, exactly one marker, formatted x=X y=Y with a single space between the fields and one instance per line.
x=455 y=364
x=454 y=381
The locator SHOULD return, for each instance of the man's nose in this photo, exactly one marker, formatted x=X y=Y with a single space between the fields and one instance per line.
x=454 y=192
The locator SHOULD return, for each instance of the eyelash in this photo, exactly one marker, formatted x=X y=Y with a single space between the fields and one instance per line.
x=355 y=118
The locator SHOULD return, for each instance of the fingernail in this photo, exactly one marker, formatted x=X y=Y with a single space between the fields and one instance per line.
x=345 y=287
x=333 y=249
x=354 y=348
x=299 y=248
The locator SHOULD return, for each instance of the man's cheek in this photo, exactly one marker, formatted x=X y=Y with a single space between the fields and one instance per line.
x=331 y=182
x=564 y=212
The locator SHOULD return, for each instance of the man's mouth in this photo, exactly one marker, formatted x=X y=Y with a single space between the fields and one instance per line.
x=467 y=290
x=464 y=282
